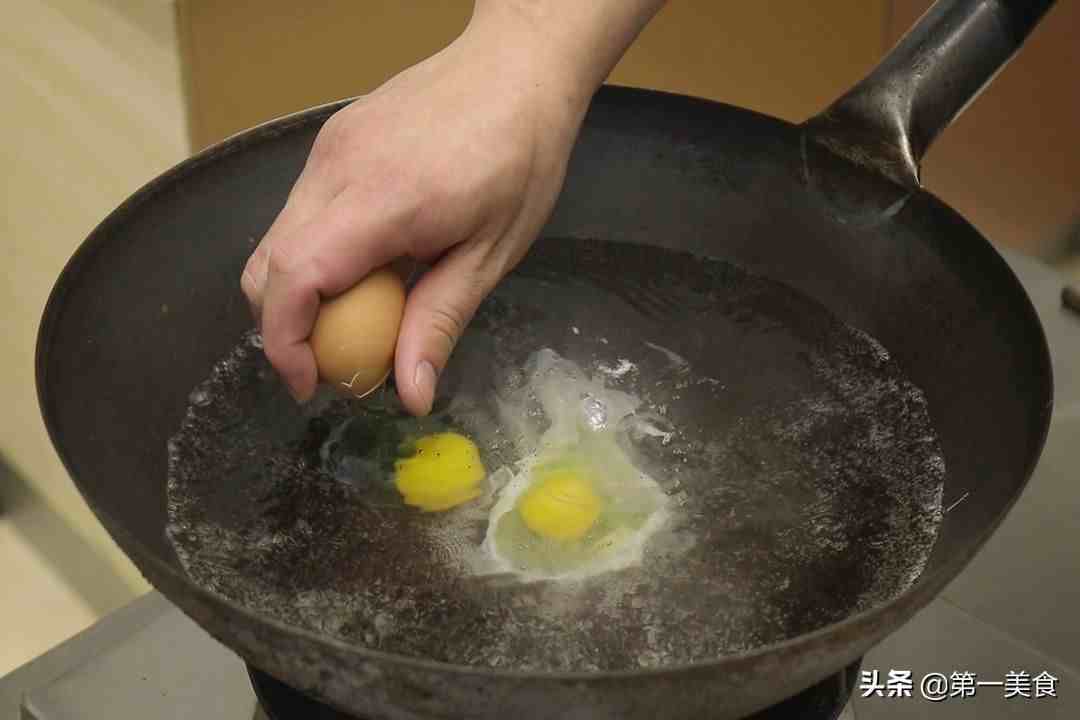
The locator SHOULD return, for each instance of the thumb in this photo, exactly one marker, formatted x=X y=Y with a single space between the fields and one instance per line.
x=437 y=311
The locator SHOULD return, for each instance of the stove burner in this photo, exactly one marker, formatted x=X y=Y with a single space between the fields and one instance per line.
x=824 y=701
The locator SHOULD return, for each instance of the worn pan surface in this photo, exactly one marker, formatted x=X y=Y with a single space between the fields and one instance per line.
x=831 y=209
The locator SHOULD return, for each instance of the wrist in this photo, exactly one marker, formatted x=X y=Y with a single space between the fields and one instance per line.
x=573 y=43
x=590 y=36
x=530 y=62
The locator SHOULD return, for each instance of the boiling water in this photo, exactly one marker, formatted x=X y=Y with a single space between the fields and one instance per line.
x=802 y=474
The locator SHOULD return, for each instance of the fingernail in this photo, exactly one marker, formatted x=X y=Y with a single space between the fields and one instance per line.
x=424 y=380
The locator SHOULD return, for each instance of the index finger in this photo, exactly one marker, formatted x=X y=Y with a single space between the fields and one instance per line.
x=305 y=198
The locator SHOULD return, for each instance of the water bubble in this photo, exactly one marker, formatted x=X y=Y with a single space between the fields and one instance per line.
x=594 y=412
x=199 y=397
x=642 y=428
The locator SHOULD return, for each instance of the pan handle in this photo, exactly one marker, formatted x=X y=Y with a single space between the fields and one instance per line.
x=888 y=120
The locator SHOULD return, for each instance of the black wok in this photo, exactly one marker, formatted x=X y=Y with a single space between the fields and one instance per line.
x=831 y=208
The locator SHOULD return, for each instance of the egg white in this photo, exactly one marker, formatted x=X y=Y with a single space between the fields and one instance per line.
x=583 y=416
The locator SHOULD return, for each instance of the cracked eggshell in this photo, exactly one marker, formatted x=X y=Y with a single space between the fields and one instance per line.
x=356 y=332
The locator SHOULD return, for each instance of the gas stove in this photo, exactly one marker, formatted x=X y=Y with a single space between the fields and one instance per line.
x=825 y=701
x=1002 y=641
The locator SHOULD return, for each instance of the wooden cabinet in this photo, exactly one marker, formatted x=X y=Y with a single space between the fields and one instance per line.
x=247 y=61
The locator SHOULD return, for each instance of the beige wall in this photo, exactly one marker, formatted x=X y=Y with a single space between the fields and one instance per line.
x=92 y=109
x=91 y=112
x=250 y=60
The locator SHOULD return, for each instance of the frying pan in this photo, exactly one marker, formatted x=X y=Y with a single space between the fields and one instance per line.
x=831 y=208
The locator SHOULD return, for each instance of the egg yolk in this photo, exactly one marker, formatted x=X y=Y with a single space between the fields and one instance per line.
x=443 y=472
x=560 y=505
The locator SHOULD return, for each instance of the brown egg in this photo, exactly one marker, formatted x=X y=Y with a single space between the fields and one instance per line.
x=356 y=333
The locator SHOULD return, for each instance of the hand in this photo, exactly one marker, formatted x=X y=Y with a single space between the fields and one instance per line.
x=456 y=162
